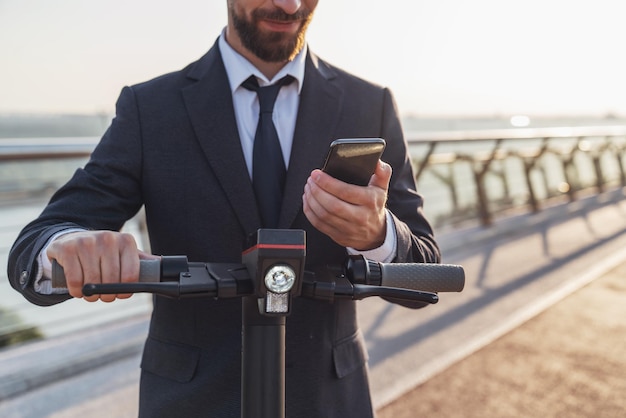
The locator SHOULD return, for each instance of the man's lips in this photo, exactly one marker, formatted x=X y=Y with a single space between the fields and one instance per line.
x=280 y=26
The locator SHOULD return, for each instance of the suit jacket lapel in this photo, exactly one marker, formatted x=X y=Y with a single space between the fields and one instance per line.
x=210 y=107
x=318 y=114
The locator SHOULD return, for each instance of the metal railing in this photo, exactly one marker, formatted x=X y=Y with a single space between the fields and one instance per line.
x=464 y=175
x=480 y=174
x=35 y=167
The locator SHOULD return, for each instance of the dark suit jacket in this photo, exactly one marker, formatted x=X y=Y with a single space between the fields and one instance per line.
x=174 y=147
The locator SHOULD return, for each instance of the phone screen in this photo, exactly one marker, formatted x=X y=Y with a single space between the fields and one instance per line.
x=354 y=160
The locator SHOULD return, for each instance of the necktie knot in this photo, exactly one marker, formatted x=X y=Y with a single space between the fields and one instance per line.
x=266 y=94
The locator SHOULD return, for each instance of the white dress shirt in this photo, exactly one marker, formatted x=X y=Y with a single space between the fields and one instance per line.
x=246 y=102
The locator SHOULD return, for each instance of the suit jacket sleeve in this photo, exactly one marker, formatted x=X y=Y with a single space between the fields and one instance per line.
x=103 y=195
x=415 y=237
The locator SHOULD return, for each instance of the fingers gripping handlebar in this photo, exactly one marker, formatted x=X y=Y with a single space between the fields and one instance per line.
x=173 y=276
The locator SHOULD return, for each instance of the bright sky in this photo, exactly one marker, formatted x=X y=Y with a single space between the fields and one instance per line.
x=440 y=57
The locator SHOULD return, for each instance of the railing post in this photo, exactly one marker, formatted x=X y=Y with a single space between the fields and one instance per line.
x=529 y=164
x=481 y=197
x=620 y=165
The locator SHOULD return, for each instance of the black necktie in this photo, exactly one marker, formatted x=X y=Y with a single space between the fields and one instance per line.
x=268 y=165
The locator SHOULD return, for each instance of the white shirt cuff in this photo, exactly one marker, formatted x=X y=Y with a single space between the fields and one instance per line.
x=43 y=280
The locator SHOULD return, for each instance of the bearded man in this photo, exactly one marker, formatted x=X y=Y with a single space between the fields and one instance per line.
x=183 y=146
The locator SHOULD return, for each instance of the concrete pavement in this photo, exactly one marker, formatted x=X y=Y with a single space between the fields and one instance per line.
x=568 y=361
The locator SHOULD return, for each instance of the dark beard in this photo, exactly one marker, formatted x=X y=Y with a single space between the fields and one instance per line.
x=273 y=47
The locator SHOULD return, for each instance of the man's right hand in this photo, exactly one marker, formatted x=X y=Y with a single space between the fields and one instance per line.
x=97 y=257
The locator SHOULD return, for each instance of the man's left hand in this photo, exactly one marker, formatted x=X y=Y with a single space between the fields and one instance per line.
x=353 y=216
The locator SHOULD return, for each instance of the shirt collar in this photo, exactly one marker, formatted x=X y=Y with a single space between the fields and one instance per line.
x=239 y=68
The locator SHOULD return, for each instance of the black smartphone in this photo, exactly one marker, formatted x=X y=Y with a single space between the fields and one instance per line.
x=353 y=160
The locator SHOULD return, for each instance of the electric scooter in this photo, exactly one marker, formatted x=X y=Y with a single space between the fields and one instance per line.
x=271 y=274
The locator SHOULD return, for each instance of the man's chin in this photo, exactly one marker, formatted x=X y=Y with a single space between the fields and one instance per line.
x=279 y=48
x=270 y=41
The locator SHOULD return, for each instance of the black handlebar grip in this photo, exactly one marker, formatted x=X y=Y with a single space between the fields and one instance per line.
x=425 y=277
x=149 y=272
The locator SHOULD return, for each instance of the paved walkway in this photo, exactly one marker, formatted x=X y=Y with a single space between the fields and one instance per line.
x=569 y=361
x=515 y=270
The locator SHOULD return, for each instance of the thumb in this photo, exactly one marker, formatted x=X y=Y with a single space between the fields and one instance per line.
x=147 y=256
x=382 y=175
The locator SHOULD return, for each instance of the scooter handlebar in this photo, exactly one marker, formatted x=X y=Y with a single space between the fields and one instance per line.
x=367 y=278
